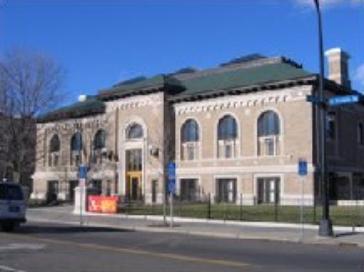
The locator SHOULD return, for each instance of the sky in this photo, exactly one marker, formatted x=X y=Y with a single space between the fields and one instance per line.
x=102 y=42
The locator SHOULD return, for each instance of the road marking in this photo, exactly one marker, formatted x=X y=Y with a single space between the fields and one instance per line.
x=17 y=246
x=4 y=268
x=138 y=252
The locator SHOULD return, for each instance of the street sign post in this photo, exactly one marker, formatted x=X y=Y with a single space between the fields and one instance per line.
x=171 y=187
x=82 y=175
x=302 y=172
x=343 y=99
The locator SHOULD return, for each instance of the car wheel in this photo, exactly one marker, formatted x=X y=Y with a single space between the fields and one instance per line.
x=8 y=226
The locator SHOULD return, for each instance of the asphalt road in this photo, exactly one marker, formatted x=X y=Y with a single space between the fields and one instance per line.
x=61 y=248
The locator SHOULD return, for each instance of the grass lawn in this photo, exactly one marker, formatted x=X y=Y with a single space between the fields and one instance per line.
x=346 y=216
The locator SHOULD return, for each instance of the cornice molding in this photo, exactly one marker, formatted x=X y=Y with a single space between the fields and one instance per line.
x=133 y=102
x=244 y=100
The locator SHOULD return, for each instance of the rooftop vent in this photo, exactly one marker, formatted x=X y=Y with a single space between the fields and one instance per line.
x=243 y=59
x=82 y=98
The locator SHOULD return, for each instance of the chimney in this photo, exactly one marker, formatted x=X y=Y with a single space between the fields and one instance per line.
x=339 y=66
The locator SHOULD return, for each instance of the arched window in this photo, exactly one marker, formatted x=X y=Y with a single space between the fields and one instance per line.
x=189 y=140
x=76 y=148
x=269 y=134
x=227 y=136
x=134 y=131
x=99 y=139
x=99 y=144
x=54 y=150
x=227 y=129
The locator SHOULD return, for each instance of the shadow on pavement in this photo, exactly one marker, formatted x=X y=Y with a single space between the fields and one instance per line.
x=38 y=229
x=343 y=234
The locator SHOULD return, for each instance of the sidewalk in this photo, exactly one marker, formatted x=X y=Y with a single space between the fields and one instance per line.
x=344 y=236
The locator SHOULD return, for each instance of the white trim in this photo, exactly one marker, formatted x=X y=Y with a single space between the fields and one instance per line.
x=264 y=169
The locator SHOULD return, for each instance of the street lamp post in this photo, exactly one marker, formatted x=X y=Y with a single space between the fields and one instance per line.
x=325 y=228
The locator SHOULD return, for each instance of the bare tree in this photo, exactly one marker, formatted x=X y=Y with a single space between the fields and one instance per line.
x=30 y=85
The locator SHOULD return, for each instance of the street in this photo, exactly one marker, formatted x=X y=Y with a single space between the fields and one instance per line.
x=39 y=247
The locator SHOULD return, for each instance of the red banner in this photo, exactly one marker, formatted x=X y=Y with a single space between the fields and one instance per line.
x=103 y=204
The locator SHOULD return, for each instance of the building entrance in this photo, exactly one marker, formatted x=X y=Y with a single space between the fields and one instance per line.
x=134 y=174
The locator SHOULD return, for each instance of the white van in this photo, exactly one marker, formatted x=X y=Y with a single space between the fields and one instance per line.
x=12 y=206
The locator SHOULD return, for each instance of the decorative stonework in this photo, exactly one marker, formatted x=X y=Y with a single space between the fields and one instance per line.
x=137 y=101
x=244 y=100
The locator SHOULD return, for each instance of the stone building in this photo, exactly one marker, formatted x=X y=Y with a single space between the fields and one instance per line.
x=236 y=133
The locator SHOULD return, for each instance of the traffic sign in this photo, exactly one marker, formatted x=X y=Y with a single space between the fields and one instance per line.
x=171 y=173
x=343 y=99
x=302 y=167
x=82 y=173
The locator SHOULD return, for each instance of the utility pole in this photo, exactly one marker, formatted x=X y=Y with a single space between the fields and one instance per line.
x=325 y=228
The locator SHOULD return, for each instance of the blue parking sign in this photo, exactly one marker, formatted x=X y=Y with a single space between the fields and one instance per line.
x=82 y=172
x=302 y=167
x=171 y=173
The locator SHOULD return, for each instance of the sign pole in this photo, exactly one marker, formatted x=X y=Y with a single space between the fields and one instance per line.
x=171 y=169
x=302 y=172
x=302 y=207
x=171 y=209
x=81 y=200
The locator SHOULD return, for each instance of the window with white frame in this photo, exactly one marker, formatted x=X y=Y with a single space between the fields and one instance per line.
x=269 y=134
x=268 y=190
x=99 y=146
x=54 y=151
x=226 y=190
x=190 y=140
x=227 y=140
x=76 y=149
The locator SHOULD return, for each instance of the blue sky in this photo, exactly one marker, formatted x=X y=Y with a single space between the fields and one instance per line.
x=101 y=42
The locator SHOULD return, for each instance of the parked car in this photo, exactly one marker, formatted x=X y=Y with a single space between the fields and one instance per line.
x=12 y=206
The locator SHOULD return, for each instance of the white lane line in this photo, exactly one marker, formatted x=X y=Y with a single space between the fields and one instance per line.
x=4 y=268
x=20 y=246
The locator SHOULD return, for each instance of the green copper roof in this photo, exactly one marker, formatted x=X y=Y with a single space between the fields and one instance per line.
x=239 y=73
x=156 y=82
x=242 y=78
x=91 y=106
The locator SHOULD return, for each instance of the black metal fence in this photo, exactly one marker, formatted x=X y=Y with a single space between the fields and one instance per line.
x=352 y=214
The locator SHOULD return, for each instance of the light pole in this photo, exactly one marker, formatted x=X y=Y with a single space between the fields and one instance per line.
x=325 y=228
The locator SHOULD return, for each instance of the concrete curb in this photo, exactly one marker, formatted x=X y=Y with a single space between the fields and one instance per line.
x=221 y=222
x=242 y=236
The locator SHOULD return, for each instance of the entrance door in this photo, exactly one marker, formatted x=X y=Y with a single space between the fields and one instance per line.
x=134 y=174
x=52 y=190
x=134 y=186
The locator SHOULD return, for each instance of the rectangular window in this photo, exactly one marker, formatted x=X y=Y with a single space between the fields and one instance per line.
x=268 y=146
x=190 y=152
x=268 y=190
x=188 y=189
x=226 y=149
x=226 y=190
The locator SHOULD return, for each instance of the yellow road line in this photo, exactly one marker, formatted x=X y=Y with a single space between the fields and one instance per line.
x=135 y=251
